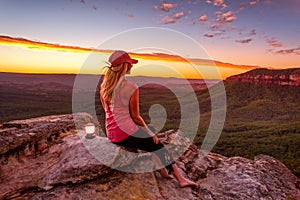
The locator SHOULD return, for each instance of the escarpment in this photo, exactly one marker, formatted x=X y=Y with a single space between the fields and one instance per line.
x=50 y=158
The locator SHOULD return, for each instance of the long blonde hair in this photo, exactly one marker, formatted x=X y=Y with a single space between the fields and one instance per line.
x=113 y=75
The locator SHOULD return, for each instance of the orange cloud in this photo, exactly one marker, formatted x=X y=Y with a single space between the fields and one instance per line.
x=167 y=20
x=203 y=18
x=196 y=61
x=178 y=15
x=227 y=17
x=10 y=41
x=171 y=20
x=220 y=3
x=165 y=7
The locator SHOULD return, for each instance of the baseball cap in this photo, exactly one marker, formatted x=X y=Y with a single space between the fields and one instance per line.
x=119 y=57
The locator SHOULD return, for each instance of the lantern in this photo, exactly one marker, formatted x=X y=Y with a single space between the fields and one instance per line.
x=90 y=131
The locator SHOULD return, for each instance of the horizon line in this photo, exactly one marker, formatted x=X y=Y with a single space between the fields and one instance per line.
x=40 y=73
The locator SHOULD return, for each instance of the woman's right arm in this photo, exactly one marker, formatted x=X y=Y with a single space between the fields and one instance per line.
x=136 y=117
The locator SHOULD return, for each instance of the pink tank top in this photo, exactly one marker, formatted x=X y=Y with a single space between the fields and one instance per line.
x=119 y=124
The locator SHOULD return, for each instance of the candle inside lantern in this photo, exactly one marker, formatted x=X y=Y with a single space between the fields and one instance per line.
x=89 y=130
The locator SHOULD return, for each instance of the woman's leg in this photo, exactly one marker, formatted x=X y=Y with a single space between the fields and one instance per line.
x=160 y=168
x=146 y=143
x=183 y=182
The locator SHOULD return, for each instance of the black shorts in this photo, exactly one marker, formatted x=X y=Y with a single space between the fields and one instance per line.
x=143 y=141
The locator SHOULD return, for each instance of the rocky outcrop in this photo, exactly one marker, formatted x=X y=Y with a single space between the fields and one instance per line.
x=266 y=76
x=64 y=166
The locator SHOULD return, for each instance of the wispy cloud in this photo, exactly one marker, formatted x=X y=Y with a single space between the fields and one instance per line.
x=252 y=32
x=167 y=20
x=215 y=33
x=165 y=7
x=31 y=44
x=245 y=41
x=209 y=35
x=223 y=19
x=267 y=1
x=171 y=19
x=178 y=15
x=219 y=3
x=95 y=7
x=131 y=16
x=203 y=18
x=247 y=4
x=274 y=42
x=252 y=3
x=226 y=17
x=289 y=51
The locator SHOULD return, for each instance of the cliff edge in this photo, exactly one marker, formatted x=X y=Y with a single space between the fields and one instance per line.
x=268 y=76
x=46 y=158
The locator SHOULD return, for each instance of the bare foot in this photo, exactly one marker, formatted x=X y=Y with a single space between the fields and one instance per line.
x=164 y=173
x=188 y=183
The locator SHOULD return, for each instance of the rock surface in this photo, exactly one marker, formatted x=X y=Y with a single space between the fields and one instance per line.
x=289 y=77
x=49 y=158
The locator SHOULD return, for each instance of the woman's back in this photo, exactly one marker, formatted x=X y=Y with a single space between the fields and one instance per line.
x=119 y=124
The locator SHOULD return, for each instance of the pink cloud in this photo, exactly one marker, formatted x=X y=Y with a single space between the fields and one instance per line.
x=171 y=20
x=130 y=16
x=228 y=17
x=178 y=15
x=165 y=7
x=167 y=20
x=274 y=43
x=223 y=19
x=203 y=18
x=252 y=32
x=289 y=51
x=208 y=35
x=218 y=2
x=252 y=3
x=247 y=4
x=246 y=41
x=215 y=33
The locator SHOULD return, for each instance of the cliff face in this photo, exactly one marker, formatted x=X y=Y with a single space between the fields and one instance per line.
x=47 y=158
x=265 y=76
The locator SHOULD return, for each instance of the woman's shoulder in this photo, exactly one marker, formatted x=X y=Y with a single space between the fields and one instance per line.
x=130 y=84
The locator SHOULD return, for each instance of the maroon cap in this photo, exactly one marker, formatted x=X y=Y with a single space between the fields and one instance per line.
x=120 y=57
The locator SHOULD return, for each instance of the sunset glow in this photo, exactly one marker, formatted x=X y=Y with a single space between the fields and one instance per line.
x=236 y=36
x=40 y=57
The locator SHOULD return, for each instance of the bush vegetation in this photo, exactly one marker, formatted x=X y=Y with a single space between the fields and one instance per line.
x=261 y=119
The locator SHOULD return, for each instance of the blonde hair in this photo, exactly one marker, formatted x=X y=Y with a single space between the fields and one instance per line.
x=113 y=75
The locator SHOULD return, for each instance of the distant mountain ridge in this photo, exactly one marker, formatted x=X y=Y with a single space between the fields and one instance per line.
x=269 y=76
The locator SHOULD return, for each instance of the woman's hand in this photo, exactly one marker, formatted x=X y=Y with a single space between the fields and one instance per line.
x=155 y=139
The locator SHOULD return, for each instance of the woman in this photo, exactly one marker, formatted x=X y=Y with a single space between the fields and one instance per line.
x=124 y=125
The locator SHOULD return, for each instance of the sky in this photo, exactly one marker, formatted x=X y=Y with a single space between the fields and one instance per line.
x=59 y=36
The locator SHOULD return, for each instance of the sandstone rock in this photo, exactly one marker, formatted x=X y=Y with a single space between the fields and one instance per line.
x=266 y=76
x=115 y=185
x=63 y=164
x=19 y=133
x=240 y=178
